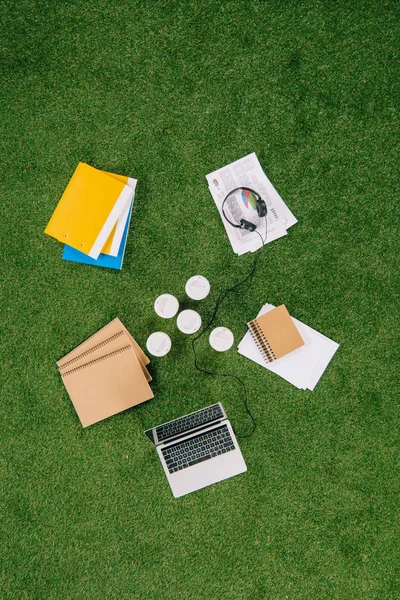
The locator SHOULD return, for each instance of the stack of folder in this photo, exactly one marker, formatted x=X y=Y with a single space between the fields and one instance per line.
x=106 y=374
x=92 y=218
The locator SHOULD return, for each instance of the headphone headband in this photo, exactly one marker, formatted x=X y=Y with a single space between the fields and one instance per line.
x=261 y=209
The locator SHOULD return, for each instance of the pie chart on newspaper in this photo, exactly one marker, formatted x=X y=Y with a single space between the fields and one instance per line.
x=249 y=199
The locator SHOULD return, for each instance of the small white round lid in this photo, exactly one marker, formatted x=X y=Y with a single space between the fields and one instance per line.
x=197 y=287
x=221 y=339
x=188 y=321
x=166 y=306
x=158 y=343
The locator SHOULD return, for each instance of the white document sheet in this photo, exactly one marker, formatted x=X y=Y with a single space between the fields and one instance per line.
x=303 y=367
x=120 y=228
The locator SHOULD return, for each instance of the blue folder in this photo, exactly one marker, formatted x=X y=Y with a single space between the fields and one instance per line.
x=104 y=260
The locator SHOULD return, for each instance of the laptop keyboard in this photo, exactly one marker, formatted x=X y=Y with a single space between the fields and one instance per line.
x=189 y=422
x=198 y=448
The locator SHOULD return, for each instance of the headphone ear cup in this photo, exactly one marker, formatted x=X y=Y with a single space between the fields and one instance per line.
x=261 y=207
x=247 y=225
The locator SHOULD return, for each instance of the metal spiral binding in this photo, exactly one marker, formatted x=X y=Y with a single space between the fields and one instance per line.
x=107 y=341
x=261 y=341
x=96 y=360
x=90 y=338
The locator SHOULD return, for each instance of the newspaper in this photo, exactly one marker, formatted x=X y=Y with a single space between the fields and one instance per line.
x=247 y=172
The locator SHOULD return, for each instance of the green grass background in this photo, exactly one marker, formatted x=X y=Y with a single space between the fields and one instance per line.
x=167 y=92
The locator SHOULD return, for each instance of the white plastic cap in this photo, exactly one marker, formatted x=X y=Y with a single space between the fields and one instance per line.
x=221 y=339
x=158 y=343
x=188 y=321
x=197 y=287
x=166 y=306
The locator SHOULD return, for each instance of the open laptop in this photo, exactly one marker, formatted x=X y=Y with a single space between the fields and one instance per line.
x=197 y=450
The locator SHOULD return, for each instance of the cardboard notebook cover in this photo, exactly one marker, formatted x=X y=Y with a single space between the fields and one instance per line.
x=115 y=342
x=275 y=333
x=106 y=385
x=111 y=329
x=89 y=209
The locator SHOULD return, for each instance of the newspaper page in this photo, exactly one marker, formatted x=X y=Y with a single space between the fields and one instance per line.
x=247 y=172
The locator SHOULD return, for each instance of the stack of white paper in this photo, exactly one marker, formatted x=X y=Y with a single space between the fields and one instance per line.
x=247 y=172
x=302 y=367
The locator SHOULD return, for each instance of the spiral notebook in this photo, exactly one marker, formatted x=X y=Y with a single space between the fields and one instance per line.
x=106 y=385
x=302 y=368
x=275 y=334
x=106 y=374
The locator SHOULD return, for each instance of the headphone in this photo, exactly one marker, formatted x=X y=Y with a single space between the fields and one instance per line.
x=261 y=209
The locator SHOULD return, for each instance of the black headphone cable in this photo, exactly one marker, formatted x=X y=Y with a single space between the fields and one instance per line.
x=221 y=297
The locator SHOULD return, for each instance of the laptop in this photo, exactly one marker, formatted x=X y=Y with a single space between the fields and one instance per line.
x=197 y=450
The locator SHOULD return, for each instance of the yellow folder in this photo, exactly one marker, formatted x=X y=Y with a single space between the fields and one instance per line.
x=88 y=210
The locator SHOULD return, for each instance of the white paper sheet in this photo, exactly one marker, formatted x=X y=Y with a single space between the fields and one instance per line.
x=120 y=228
x=303 y=367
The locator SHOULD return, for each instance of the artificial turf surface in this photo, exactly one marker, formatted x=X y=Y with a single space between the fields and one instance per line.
x=167 y=92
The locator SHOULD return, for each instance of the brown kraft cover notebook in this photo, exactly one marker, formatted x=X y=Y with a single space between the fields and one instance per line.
x=106 y=385
x=275 y=333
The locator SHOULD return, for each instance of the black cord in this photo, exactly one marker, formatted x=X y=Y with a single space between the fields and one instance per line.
x=221 y=297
